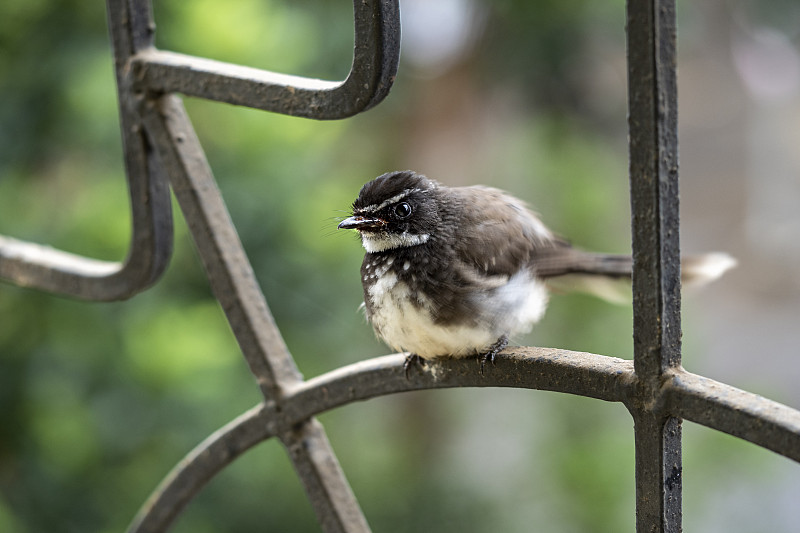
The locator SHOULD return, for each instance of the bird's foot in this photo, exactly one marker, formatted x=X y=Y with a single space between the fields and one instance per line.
x=412 y=359
x=494 y=349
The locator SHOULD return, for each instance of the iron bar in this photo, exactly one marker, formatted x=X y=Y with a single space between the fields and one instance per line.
x=596 y=376
x=235 y=287
x=199 y=466
x=653 y=150
x=659 y=472
x=748 y=416
x=162 y=149
x=375 y=60
x=550 y=369
x=229 y=272
x=702 y=400
x=42 y=267
x=653 y=147
x=326 y=487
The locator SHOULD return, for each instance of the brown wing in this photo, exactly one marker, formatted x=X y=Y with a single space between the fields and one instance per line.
x=504 y=236
x=499 y=235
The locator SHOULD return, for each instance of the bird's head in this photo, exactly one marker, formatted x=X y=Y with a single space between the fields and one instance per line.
x=395 y=210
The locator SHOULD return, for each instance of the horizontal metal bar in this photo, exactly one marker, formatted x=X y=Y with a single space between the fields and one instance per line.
x=45 y=268
x=375 y=59
x=42 y=267
x=32 y=264
x=165 y=72
x=743 y=414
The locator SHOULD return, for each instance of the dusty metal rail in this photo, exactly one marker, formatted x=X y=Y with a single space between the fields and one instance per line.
x=701 y=400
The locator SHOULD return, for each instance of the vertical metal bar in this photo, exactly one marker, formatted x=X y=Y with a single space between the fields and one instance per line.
x=653 y=120
x=151 y=205
x=659 y=473
x=141 y=23
x=652 y=94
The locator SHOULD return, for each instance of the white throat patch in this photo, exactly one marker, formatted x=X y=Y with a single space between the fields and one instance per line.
x=379 y=242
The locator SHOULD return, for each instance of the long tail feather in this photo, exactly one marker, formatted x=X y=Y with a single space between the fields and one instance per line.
x=608 y=276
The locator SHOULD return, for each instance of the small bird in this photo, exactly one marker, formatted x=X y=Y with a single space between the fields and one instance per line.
x=456 y=271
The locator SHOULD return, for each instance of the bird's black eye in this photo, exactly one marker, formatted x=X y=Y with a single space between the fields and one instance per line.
x=402 y=210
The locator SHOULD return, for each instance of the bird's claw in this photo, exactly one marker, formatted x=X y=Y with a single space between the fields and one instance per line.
x=491 y=354
x=412 y=359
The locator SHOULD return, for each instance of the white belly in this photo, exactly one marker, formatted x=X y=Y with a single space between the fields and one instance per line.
x=511 y=309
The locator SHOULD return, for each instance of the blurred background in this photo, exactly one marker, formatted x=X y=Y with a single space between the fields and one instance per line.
x=99 y=401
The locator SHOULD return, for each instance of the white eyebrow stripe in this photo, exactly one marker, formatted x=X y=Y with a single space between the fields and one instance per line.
x=396 y=198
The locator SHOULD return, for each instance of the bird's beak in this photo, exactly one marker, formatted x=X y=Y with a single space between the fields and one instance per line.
x=360 y=222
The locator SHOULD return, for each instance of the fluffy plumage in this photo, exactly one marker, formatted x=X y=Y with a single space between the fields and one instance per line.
x=455 y=271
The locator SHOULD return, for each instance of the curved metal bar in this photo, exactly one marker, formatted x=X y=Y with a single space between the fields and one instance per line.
x=701 y=400
x=742 y=414
x=585 y=374
x=375 y=59
x=43 y=267
x=199 y=466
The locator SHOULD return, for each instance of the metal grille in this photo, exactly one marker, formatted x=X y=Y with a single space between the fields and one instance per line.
x=162 y=153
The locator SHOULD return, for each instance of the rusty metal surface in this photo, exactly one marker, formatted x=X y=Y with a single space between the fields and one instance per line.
x=653 y=151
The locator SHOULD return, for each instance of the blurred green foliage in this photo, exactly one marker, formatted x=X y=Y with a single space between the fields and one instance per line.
x=99 y=401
